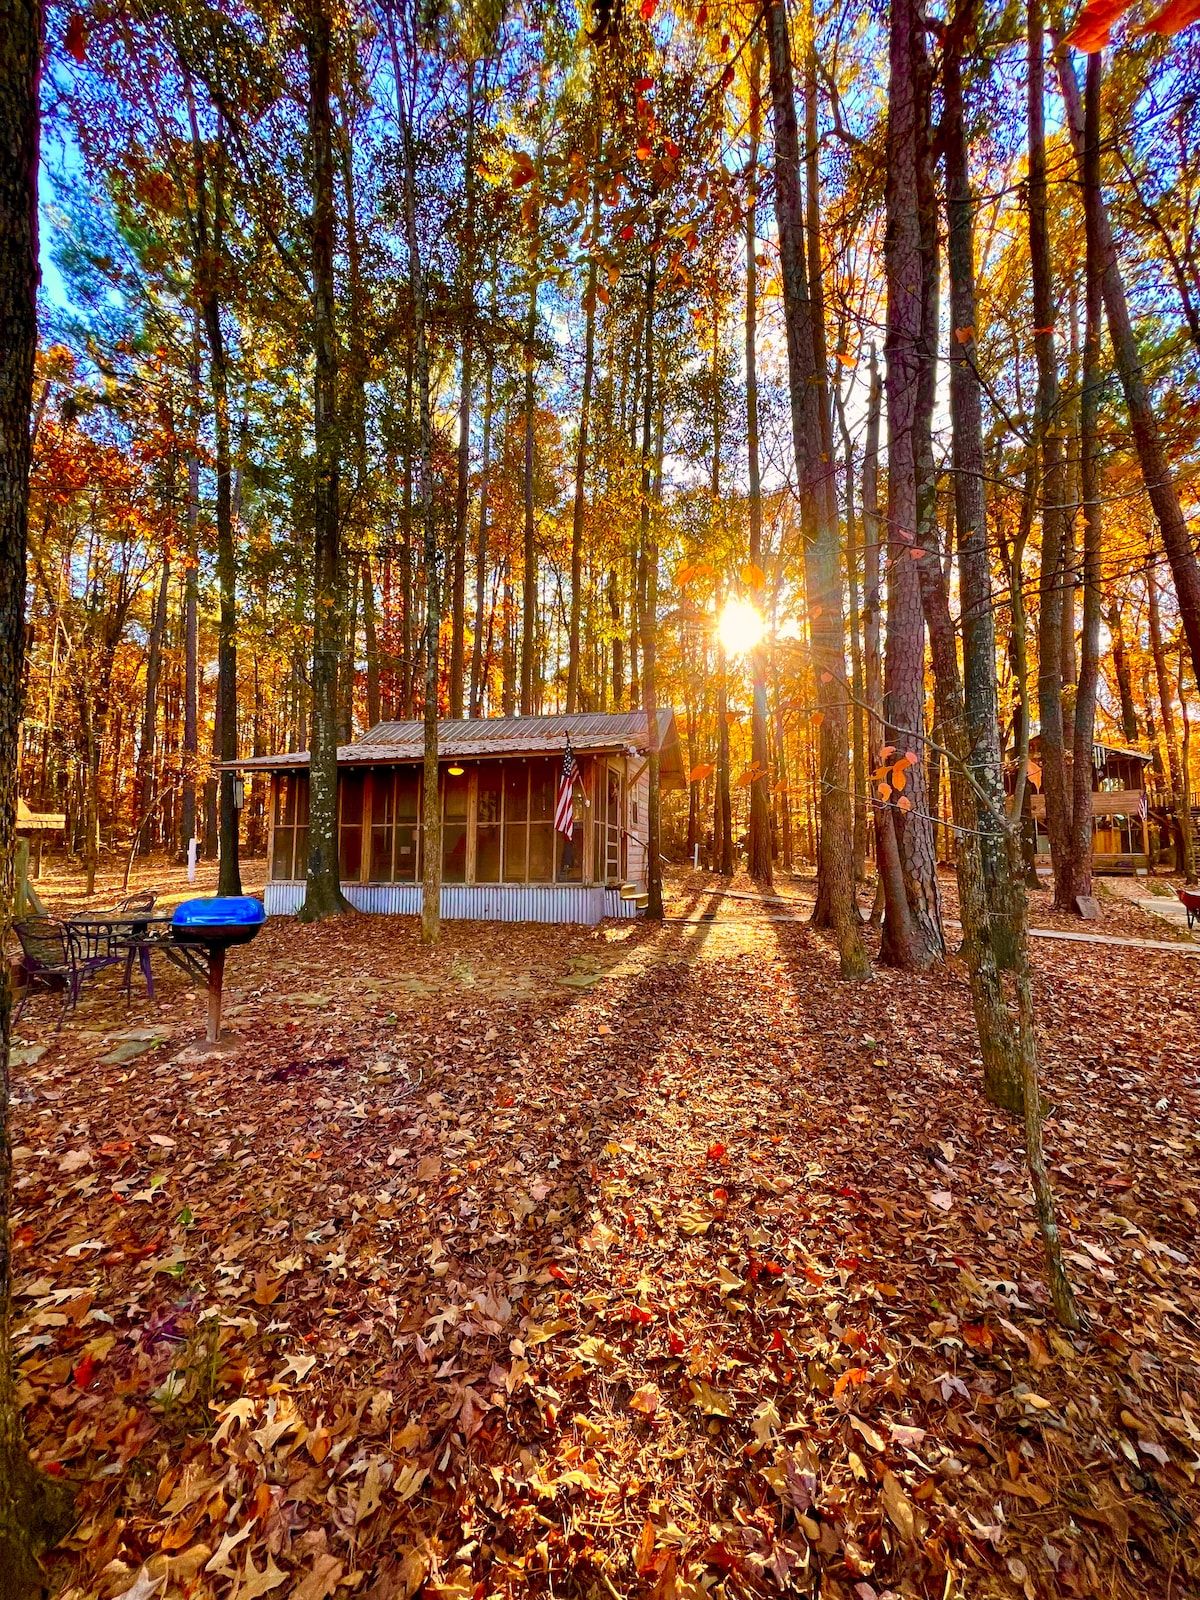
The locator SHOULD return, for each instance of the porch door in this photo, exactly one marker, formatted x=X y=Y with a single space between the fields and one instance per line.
x=614 y=842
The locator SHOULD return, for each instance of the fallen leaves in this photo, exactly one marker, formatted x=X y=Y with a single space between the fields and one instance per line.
x=672 y=1301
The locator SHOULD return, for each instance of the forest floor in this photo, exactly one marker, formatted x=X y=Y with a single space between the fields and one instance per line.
x=624 y=1261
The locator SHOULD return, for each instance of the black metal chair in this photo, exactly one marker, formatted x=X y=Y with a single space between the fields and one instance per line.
x=52 y=953
x=141 y=900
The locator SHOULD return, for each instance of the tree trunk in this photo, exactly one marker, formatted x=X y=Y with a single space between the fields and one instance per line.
x=1156 y=469
x=723 y=808
x=581 y=459
x=835 y=866
x=1053 y=482
x=458 y=581
x=1129 y=722
x=431 y=897
x=887 y=853
x=1182 y=822
x=34 y=1511
x=649 y=545
x=529 y=582
x=407 y=598
x=759 y=863
x=371 y=635
x=910 y=350
x=1079 y=855
x=1185 y=774
x=323 y=894
x=210 y=232
x=191 y=609
x=145 y=763
x=478 y=670
x=858 y=753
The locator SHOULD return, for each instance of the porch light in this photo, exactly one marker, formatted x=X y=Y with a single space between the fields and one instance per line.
x=455 y=771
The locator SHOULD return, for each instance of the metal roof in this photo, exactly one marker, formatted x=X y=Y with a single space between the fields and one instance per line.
x=591 y=732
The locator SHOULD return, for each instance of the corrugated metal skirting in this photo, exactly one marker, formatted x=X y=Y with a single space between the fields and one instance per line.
x=485 y=902
x=614 y=906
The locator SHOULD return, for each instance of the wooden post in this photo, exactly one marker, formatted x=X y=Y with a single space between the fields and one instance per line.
x=216 y=973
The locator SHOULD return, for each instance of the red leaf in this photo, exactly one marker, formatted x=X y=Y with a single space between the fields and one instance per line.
x=677 y=1345
x=643 y=84
x=83 y=1372
x=648 y=8
x=777 y=1340
x=702 y=17
x=716 y=1151
x=76 y=40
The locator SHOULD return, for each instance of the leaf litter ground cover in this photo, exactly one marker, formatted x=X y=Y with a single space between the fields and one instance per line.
x=633 y=1261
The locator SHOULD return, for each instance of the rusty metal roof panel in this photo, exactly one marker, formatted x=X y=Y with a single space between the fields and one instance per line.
x=590 y=732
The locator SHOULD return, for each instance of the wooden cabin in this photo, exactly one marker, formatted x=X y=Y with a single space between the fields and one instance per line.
x=1121 y=839
x=502 y=859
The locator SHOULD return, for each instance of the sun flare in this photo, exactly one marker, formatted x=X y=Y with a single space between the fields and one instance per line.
x=740 y=627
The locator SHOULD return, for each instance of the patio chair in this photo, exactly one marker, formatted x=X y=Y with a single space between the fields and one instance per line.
x=51 y=954
x=142 y=900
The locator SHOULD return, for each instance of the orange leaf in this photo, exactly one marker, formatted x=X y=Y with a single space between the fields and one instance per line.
x=643 y=1555
x=1173 y=18
x=818 y=718
x=978 y=1335
x=899 y=777
x=888 y=750
x=699 y=773
x=851 y=1375
x=716 y=1151
x=753 y=575
x=884 y=791
x=904 y=803
x=1091 y=31
x=964 y=335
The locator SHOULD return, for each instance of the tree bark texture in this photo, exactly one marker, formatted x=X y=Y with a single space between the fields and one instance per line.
x=323 y=894
x=1048 y=429
x=910 y=349
x=822 y=565
x=1079 y=855
x=34 y=1510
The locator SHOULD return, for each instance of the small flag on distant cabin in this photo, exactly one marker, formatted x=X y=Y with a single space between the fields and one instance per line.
x=564 y=810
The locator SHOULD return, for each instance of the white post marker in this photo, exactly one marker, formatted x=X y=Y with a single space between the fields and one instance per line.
x=696 y=857
x=193 y=846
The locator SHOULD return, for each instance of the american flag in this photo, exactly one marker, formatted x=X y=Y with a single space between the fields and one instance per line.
x=564 y=810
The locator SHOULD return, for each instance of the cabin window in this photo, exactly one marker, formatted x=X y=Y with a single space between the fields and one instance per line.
x=394 y=827
x=516 y=821
x=543 y=786
x=350 y=826
x=489 y=808
x=405 y=860
x=568 y=853
x=454 y=828
x=290 y=848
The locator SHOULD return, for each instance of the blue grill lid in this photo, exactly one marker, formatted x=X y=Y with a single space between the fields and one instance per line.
x=219 y=911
